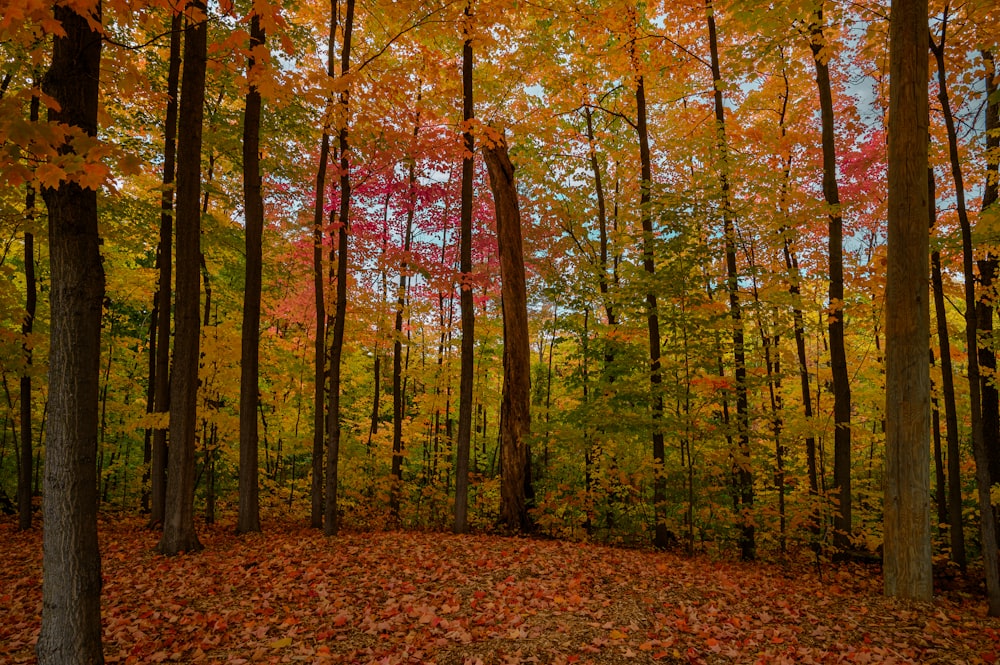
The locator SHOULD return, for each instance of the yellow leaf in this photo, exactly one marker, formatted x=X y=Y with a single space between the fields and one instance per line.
x=617 y=635
x=281 y=644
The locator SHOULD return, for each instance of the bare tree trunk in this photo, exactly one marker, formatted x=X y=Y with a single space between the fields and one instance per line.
x=462 y=444
x=907 y=555
x=71 y=560
x=178 y=526
x=515 y=487
x=332 y=521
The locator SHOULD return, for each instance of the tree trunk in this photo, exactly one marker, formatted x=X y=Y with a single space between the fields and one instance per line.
x=462 y=444
x=838 y=354
x=30 y=302
x=515 y=486
x=907 y=554
x=955 y=531
x=71 y=561
x=987 y=525
x=741 y=454
x=332 y=522
x=158 y=463
x=253 y=207
x=178 y=526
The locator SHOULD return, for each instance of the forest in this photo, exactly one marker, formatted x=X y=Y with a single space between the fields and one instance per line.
x=714 y=277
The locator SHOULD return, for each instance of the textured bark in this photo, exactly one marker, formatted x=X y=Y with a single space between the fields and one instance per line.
x=955 y=532
x=248 y=519
x=907 y=554
x=331 y=518
x=178 y=525
x=71 y=583
x=987 y=526
x=515 y=406
x=838 y=354
x=468 y=314
x=742 y=473
x=161 y=390
x=30 y=302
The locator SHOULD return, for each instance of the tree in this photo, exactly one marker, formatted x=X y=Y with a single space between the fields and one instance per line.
x=515 y=407
x=907 y=554
x=178 y=525
x=71 y=584
x=253 y=207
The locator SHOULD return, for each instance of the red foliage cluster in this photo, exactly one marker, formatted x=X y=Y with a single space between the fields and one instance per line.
x=292 y=595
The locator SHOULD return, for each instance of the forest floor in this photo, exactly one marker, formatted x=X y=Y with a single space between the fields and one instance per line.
x=291 y=595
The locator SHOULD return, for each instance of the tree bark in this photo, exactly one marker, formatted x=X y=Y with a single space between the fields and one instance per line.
x=907 y=553
x=468 y=313
x=515 y=419
x=71 y=583
x=842 y=528
x=178 y=526
x=248 y=519
x=161 y=390
x=332 y=521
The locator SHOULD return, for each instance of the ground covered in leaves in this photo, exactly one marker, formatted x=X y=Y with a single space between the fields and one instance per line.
x=292 y=596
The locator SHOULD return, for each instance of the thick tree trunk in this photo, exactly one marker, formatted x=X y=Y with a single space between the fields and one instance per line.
x=332 y=521
x=71 y=584
x=515 y=419
x=30 y=302
x=158 y=462
x=178 y=526
x=907 y=554
x=838 y=355
x=955 y=531
x=463 y=442
x=987 y=525
x=253 y=208
x=742 y=470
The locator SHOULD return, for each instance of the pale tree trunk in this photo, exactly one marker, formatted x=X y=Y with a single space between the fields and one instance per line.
x=987 y=525
x=161 y=388
x=838 y=355
x=248 y=519
x=30 y=302
x=742 y=471
x=178 y=525
x=907 y=554
x=332 y=521
x=71 y=560
x=468 y=314
x=515 y=418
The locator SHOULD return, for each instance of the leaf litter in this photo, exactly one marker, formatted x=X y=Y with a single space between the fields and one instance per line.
x=291 y=595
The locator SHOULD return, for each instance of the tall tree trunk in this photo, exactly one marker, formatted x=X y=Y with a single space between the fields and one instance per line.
x=71 y=560
x=838 y=354
x=907 y=555
x=253 y=208
x=955 y=531
x=940 y=485
x=515 y=419
x=462 y=444
x=30 y=302
x=332 y=523
x=987 y=525
x=319 y=376
x=741 y=454
x=158 y=463
x=178 y=526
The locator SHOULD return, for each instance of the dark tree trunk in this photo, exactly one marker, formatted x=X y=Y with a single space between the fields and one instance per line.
x=940 y=485
x=71 y=561
x=742 y=471
x=462 y=444
x=955 y=531
x=515 y=418
x=30 y=302
x=332 y=521
x=178 y=525
x=907 y=554
x=987 y=526
x=253 y=207
x=838 y=354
